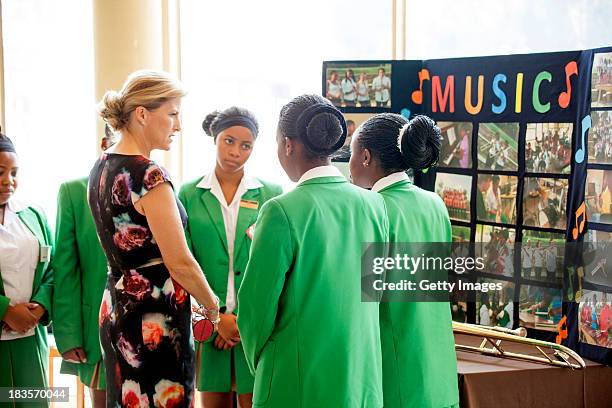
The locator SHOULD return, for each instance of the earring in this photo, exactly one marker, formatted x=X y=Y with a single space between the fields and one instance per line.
x=366 y=164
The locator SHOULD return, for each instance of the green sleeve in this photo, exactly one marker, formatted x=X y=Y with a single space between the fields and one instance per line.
x=264 y=278
x=44 y=292
x=4 y=304
x=68 y=327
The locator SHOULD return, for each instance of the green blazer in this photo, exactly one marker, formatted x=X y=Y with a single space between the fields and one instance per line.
x=42 y=286
x=80 y=269
x=205 y=232
x=307 y=336
x=418 y=347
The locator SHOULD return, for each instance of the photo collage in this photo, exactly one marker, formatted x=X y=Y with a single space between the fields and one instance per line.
x=494 y=183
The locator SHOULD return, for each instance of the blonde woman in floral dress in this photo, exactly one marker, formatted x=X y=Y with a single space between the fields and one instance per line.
x=145 y=315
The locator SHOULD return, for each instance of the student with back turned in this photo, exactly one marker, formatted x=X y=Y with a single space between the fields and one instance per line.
x=419 y=362
x=307 y=336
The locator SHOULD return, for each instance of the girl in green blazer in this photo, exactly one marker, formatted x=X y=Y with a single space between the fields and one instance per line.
x=26 y=287
x=307 y=336
x=222 y=208
x=418 y=350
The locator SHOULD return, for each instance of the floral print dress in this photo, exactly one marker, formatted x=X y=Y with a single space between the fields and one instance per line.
x=145 y=316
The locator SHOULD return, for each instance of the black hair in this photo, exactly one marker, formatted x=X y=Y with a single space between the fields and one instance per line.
x=6 y=144
x=417 y=148
x=217 y=121
x=315 y=122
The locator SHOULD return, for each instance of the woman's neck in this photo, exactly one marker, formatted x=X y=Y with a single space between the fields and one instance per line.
x=129 y=144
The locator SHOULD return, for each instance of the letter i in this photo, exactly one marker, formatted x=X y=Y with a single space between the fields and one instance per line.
x=519 y=93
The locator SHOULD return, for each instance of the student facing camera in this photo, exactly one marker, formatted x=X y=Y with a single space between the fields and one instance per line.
x=222 y=207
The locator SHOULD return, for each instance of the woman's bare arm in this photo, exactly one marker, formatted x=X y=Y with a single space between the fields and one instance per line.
x=159 y=206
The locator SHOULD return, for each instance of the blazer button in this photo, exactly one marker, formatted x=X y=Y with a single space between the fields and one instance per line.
x=236 y=273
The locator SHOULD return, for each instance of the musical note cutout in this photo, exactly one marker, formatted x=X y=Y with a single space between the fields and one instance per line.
x=562 y=328
x=417 y=96
x=580 y=212
x=405 y=113
x=586 y=125
x=564 y=97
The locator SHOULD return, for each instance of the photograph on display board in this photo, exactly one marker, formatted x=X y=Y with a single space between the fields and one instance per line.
x=496 y=198
x=600 y=137
x=460 y=233
x=601 y=80
x=596 y=253
x=595 y=318
x=456 y=144
x=455 y=190
x=548 y=147
x=598 y=196
x=496 y=307
x=358 y=85
x=353 y=121
x=544 y=202
x=498 y=146
x=540 y=308
x=496 y=246
x=458 y=302
x=542 y=255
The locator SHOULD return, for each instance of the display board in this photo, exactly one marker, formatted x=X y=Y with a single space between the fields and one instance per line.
x=525 y=168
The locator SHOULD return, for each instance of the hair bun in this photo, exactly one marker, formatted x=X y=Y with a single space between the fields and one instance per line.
x=207 y=122
x=323 y=131
x=110 y=109
x=419 y=142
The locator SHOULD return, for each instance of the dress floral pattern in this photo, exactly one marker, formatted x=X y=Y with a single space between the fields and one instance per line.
x=145 y=316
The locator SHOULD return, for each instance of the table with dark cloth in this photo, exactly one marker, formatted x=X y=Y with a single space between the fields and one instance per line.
x=486 y=381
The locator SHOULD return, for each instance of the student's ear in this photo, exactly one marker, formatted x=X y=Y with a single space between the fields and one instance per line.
x=367 y=157
x=289 y=146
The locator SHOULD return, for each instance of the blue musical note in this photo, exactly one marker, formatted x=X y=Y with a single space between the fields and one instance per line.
x=586 y=125
x=405 y=113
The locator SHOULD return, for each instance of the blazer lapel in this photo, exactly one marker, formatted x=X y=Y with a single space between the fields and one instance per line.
x=30 y=220
x=246 y=217
x=214 y=211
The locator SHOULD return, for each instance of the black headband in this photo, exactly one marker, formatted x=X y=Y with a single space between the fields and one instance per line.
x=6 y=145
x=304 y=120
x=237 y=120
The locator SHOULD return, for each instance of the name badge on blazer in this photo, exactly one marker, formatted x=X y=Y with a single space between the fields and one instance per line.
x=250 y=231
x=45 y=253
x=253 y=205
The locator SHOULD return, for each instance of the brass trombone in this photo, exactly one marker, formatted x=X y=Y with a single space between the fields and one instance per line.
x=558 y=355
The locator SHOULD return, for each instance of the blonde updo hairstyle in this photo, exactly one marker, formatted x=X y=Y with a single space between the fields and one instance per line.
x=149 y=89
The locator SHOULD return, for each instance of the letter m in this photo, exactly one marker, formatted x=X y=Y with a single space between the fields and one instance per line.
x=438 y=97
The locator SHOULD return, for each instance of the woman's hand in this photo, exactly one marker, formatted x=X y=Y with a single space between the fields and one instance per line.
x=228 y=329
x=20 y=318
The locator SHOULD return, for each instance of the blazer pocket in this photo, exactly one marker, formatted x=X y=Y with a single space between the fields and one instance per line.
x=263 y=374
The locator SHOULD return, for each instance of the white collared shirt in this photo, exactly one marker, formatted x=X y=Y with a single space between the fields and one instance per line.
x=321 y=171
x=230 y=219
x=389 y=180
x=19 y=251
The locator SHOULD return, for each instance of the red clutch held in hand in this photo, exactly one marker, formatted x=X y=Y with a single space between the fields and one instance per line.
x=203 y=328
